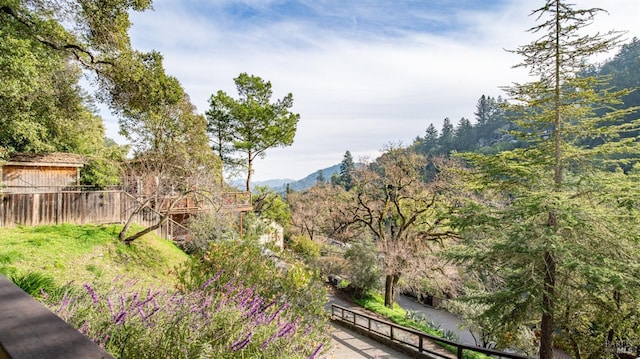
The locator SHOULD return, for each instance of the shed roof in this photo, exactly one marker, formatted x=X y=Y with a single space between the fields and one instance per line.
x=54 y=159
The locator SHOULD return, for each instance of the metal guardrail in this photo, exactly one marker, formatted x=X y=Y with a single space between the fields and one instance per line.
x=409 y=337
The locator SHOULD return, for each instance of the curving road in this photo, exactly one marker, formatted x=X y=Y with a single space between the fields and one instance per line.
x=446 y=320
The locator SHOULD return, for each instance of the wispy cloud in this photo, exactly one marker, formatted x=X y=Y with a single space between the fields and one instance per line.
x=363 y=73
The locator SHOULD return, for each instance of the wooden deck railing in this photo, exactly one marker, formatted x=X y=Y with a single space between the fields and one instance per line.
x=28 y=330
x=411 y=339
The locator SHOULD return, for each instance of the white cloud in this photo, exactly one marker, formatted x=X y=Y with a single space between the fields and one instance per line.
x=356 y=90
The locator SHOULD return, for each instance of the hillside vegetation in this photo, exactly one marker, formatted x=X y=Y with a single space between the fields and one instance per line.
x=88 y=253
x=151 y=300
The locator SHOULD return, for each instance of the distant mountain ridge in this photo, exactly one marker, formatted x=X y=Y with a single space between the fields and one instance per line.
x=280 y=185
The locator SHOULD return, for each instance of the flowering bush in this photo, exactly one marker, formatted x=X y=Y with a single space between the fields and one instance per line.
x=216 y=320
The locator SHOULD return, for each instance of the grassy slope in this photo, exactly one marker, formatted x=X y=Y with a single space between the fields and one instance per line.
x=88 y=254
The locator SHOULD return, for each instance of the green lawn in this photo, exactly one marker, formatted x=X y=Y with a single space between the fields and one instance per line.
x=87 y=253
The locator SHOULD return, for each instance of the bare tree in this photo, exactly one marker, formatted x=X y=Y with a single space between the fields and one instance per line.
x=401 y=209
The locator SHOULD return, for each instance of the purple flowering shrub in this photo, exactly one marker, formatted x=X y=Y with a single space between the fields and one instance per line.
x=213 y=321
x=233 y=302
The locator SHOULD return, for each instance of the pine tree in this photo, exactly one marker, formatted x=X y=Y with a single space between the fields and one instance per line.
x=446 y=137
x=554 y=235
x=346 y=171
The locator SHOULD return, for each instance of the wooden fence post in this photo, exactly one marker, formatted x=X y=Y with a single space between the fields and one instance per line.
x=59 y=207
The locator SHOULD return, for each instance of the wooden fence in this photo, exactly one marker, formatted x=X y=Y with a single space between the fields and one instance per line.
x=75 y=207
x=96 y=207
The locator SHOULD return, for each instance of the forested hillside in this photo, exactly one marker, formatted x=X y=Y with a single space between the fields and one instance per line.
x=492 y=128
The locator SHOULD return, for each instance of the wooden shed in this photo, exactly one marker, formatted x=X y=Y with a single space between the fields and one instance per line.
x=49 y=172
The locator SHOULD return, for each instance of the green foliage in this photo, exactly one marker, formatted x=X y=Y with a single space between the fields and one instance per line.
x=269 y=205
x=271 y=275
x=45 y=47
x=219 y=319
x=304 y=246
x=34 y=283
x=490 y=132
x=104 y=167
x=364 y=270
x=206 y=228
x=251 y=124
x=545 y=232
x=347 y=168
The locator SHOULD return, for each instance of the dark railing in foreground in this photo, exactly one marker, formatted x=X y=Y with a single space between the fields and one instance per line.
x=28 y=330
x=408 y=337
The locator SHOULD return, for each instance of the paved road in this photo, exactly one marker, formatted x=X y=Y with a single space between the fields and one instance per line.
x=447 y=320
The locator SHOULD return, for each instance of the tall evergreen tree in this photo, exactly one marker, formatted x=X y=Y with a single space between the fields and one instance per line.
x=430 y=142
x=555 y=237
x=446 y=137
x=464 y=136
x=347 y=167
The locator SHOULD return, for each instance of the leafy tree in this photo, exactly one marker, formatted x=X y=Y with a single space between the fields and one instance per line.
x=347 y=166
x=270 y=205
x=45 y=46
x=104 y=167
x=554 y=238
x=319 y=211
x=364 y=271
x=168 y=138
x=427 y=145
x=320 y=177
x=254 y=123
x=42 y=107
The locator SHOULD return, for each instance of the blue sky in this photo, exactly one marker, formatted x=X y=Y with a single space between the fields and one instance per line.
x=363 y=73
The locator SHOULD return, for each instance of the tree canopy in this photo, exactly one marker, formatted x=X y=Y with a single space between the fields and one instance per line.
x=251 y=124
x=553 y=236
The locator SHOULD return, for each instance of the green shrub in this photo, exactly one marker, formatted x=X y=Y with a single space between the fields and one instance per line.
x=271 y=275
x=219 y=319
x=305 y=247
x=364 y=271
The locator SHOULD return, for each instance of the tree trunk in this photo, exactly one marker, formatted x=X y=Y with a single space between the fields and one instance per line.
x=123 y=233
x=388 y=291
x=132 y=238
x=548 y=301
x=390 y=282
x=163 y=219
x=249 y=169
